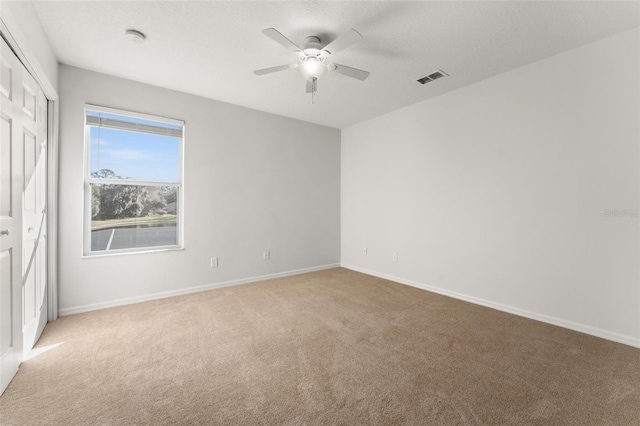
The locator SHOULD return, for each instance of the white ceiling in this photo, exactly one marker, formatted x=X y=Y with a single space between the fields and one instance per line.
x=210 y=48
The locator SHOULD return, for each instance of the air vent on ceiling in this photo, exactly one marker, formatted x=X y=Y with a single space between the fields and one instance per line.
x=431 y=77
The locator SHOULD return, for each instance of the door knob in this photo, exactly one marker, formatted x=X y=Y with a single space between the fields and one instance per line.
x=4 y=232
x=29 y=229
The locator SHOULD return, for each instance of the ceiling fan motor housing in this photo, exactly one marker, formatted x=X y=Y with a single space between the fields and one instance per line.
x=312 y=42
x=311 y=48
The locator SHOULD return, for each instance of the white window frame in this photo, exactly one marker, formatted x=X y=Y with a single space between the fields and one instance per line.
x=88 y=180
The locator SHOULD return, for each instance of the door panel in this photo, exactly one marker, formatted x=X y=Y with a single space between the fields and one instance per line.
x=42 y=171
x=6 y=76
x=41 y=267
x=28 y=284
x=29 y=158
x=33 y=208
x=11 y=113
x=6 y=334
x=5 y=165
x=29 y=96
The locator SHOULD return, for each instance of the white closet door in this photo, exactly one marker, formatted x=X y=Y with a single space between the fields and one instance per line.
x=10 y=215
x=22 y=213
x=34 y=307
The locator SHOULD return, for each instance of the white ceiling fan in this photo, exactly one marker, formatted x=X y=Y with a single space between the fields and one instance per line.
x=312 y=57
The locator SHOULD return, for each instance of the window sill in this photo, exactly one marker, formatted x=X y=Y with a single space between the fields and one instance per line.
x=131 y=252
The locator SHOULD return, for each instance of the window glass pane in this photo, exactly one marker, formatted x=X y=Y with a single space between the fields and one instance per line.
x=133 y=216
x=127 y=154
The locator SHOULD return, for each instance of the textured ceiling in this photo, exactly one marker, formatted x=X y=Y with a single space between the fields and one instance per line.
x=210 y=48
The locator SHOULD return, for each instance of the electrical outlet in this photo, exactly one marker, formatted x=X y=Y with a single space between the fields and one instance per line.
x=214 y=262
x=266 y=255
x=395 y=257
x=364 y=251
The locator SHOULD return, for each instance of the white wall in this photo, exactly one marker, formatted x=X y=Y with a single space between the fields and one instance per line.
x=24 y=25
x=253 y=181
x=496 y=192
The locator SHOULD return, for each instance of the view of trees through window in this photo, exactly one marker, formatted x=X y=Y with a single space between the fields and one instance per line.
x=120 y=202
x=133 y=182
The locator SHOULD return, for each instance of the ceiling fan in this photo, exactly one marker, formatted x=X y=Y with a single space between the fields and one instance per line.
x=312 y=57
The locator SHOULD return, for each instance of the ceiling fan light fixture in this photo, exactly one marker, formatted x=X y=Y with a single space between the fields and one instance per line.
x=312 y=57
x=312 y=68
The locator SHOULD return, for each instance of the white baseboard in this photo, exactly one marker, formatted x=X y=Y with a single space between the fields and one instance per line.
x=171 y=293
x=593 y=331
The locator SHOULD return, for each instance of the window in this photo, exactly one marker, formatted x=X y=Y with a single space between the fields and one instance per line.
x=133 y=182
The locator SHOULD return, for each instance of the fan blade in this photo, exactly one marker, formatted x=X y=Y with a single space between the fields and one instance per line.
x=274 y=69
x=276 y=36
x=349 y=72
x=345 y=40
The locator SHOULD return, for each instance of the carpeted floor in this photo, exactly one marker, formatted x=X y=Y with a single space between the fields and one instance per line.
x=329 y=347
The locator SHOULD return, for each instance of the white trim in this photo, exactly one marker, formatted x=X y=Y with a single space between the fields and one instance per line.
x=129 y=182
x=86 y=198
x=124 y=252
x=140 y=115
x=87 y=252
x=593 y=331
x=127 y=126
x=52 y=212
x=180 y=292
x=18 y=42
x=180 y=195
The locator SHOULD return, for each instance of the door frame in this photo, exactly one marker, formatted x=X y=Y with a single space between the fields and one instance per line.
x=14 y=36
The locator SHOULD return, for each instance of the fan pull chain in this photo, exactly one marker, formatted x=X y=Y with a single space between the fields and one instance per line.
x=314 y=89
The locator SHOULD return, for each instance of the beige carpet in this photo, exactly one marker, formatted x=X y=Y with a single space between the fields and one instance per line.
x=330 y=347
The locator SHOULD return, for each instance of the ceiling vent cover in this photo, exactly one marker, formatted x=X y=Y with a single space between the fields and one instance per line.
x=431 y=77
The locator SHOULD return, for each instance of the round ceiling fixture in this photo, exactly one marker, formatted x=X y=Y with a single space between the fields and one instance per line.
x=135 y=36
x=312 y=68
